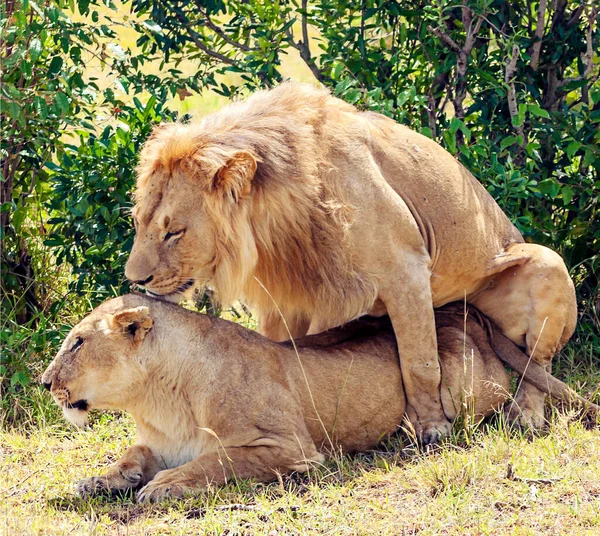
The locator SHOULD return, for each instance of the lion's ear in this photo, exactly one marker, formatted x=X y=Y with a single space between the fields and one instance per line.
x=134 y=323
x=234 y=179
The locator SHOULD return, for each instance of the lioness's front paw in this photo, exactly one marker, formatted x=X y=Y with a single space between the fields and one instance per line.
x=432 y=432
x=122 y=478
x=166 y=485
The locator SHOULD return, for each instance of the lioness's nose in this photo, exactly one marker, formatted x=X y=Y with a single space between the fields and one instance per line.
x=47 y=385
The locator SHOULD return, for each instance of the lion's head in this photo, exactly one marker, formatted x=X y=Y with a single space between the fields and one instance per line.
x=98 y=363
x=183 y=181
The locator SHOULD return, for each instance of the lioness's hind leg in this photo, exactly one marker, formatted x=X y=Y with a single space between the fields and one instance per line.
x=534 y=305
x=135 y=468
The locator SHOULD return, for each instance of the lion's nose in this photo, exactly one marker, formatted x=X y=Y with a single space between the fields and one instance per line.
x=47 y=385
x=143 y=282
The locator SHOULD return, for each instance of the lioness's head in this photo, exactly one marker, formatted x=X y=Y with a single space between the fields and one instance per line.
x=188 y=187
x=99 y=362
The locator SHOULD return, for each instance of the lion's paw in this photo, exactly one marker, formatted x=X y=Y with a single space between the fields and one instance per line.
x=431 y=433
x=524 y=417
x=168 y=484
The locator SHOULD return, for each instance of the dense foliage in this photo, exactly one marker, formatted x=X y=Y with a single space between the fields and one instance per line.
x=510 y=88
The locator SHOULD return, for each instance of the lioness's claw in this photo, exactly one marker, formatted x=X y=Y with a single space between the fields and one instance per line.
x=166 y=484
x=127 y=477
x=132 y=477
x=89 y=487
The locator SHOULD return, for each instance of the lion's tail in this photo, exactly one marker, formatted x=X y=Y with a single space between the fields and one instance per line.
x=535 y=374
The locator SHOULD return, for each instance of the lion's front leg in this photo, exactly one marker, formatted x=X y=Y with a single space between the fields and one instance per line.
x=408 y=300
x=134 y=469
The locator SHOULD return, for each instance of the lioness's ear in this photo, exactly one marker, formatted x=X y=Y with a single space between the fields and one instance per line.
x=235 y=177
x=134 y=323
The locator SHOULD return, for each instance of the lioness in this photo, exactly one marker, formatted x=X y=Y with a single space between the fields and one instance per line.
x=213 y=400
x=296 y=199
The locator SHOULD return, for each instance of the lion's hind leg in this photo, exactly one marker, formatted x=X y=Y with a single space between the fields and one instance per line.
x=534 y=305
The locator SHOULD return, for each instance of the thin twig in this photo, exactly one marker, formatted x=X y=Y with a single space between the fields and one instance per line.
x=510 y=475
x=196 y=38
x=303 y=47
x=208 y=22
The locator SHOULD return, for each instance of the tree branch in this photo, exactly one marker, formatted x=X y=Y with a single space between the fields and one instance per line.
x=588 y=57
x=539 y=34
x=511 y=69
x=462 y=55
x=303 y=47
x=196 y=38
x=305 y=39
x=445 y=38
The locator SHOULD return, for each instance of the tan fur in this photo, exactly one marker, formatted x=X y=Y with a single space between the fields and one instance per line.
x=339 y=213
x=213 y=400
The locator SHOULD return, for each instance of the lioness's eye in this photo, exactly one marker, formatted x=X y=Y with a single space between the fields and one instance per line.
x=174 y=234
x=77 y=344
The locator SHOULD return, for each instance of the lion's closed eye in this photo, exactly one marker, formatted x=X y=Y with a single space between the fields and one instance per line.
x=174 y=234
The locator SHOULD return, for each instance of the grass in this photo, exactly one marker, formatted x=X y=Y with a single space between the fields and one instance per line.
x=554 y=488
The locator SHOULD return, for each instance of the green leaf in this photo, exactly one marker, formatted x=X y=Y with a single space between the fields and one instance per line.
x=549 y=187
x=62 y=103
x=567 y=194
x=84 y=6
x=20 y=377
x=35 y=49
x=55 y=65
x=572 y=148
x=13 y=110
x=40 y=107
x=589 y=157
x=519 y=119
x=538 y=111
x=18 y=217
x=337 y=71
x=510 y=140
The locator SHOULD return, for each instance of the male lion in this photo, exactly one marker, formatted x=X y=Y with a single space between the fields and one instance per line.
x=213 y=400
x=295 y=199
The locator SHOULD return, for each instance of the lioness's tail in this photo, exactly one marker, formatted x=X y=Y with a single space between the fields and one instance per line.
x=535 y=374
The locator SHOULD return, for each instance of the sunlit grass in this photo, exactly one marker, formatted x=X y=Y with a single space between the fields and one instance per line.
x=554 y=488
